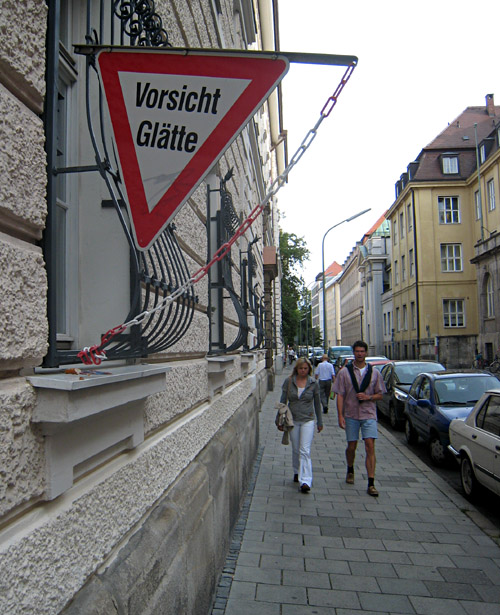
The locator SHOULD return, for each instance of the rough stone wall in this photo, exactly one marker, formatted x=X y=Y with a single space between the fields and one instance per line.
x=23 y=282
x=170 y=565
x=181 y=488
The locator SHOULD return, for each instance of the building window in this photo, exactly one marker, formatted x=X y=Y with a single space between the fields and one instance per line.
x=394 y=232
x=411 y=262
x=398 y=320
x=491 y=195
x=413 y=315
x=482 y=153
x=477 y=205
x=451 y=257
x=409 y=217
x=385 y=323
x=403 y=268
x=490 y=298
x=401 y=225
x=405 y=318
x=450 y=165
x=449 y=210
x=396 y=273
x=453 y=313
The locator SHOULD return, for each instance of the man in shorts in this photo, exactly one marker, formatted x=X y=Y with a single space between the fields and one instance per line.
x=358 y=386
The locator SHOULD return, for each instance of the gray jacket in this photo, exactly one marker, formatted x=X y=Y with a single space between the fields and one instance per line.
x=303 y=408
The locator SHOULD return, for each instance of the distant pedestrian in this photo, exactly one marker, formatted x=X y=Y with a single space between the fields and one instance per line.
x=358 y=386
x=301 y=392
x=291 y=355
x=325 y=374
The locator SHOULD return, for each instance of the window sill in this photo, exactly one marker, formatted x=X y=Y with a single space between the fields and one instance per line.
x=63 y=398
x=217 y=367
x=89 y=417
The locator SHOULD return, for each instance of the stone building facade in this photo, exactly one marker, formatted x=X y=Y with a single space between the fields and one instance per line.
x=120 y=485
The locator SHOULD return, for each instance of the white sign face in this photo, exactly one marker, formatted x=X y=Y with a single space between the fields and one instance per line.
x=173 y=115
x=170 y=118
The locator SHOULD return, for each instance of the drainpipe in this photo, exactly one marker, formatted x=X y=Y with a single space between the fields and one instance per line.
x=417 y=301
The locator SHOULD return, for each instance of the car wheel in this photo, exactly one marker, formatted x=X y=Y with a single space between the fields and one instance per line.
x=437 y=450
x=410 y=433
x=393 y=417
x=468 y=479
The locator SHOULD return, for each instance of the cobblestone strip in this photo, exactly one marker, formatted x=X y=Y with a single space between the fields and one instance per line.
x=226 y=578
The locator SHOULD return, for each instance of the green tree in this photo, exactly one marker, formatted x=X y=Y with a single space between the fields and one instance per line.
x=293 y=251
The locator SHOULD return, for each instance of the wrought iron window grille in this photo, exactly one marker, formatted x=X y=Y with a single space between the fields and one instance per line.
x=226 y=222
x=153 y=273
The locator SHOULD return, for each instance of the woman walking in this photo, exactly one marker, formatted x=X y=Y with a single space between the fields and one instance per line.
x=301 y=392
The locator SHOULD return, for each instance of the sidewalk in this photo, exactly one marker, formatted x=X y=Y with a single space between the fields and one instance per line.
x=338 y=551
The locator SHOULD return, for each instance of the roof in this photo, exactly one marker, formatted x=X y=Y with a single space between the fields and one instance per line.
x=381 y=224
x=458 y=138
x=333 y=270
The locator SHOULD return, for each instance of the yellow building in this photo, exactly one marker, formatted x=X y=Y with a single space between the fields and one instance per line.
x=434 y=230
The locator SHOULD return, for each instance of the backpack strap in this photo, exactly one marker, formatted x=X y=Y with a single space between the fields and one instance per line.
x=360 y=388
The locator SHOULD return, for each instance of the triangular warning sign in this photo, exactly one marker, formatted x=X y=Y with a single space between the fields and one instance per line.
x=173 y=115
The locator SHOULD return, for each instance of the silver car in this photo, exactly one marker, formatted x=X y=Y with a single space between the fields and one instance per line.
x=475 y=443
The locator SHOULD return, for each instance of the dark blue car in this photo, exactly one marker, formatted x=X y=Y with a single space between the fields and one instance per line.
x=435 y=399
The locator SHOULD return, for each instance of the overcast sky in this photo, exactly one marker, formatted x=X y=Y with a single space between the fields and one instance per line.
x=420 y=65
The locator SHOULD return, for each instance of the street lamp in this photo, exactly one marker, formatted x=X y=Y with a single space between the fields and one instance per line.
x=325 y=337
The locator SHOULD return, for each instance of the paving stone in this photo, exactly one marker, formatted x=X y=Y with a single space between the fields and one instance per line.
x=385 y=603
x=406 y=587
x=282 y=562
x=404 y=545
x=341 y=532
x=388 y=557
x=370 y=569
x=428 y=559
x=244 y=607
x=437 y=606
x=335 y=599
x=258 y=575
x=306 y=579
x=354 y=583
x=464 y=575
x=348 y=555
x=377 y=533
x=281 y=537
x=284 y=594
x=332 y=566
x=303 y=551
x=464 y=591
x=323 y=541
x=482 y=608
x=268 y=548
x=418 y=572
x=364 y=543
x=243 y=590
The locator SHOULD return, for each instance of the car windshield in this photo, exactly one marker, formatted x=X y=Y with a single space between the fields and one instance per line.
x=337 y=351
x=463 y=390
x=407 y=373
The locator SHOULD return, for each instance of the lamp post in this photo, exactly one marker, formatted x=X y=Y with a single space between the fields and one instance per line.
x=325 y=336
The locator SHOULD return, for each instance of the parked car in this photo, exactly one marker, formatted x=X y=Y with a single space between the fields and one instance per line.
x=435 y=399
x=343 y=360
x=398 y=377
x=315 y=355
x=475 y=443
x=377 y=362
x=336 y=352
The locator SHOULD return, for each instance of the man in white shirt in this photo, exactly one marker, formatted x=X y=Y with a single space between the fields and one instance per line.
x=325 y=373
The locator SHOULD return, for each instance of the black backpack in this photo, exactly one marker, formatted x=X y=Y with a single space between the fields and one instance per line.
x=360 y=388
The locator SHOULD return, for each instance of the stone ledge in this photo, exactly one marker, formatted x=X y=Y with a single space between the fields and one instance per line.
x=63 y=398
x=105 y=405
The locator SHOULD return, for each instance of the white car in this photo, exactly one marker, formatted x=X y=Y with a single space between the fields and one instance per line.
x=475 y=442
